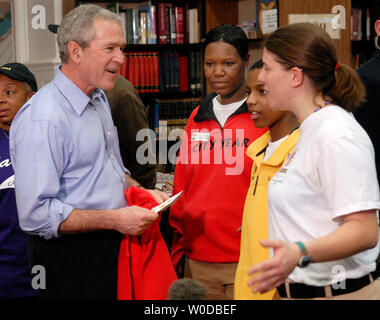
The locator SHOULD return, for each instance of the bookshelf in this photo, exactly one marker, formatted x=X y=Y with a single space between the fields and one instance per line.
x=362 y=31
x=354 y=45
x=179 y=86
x=315 y=7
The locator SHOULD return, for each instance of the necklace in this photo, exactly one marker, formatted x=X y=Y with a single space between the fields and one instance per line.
x=322 y=105
x=5 y=133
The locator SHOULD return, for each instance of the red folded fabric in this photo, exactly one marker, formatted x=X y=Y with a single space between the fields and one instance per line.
x=145 y=270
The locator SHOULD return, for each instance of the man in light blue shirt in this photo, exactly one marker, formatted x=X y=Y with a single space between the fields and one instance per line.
x=69 y=176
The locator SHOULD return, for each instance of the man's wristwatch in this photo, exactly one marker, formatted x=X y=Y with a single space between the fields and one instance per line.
x=305 y=258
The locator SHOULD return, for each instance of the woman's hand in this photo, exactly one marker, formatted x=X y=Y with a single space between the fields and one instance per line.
x=273 y=272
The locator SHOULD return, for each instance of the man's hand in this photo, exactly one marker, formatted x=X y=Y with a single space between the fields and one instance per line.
x=158 y=195
x=134 y=220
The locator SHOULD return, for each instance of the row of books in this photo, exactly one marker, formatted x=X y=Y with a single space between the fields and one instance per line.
x=164 y=23
x=172 y=114
x=142 y=70
x=164 y=72
x=360 y=24
x=180 y=72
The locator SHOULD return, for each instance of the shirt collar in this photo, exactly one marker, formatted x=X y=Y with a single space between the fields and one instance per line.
x=75 y=96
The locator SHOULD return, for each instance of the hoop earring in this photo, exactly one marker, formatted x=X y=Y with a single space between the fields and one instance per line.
x=377 y=42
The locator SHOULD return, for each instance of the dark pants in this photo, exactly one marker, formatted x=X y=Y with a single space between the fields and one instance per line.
x=77 y=266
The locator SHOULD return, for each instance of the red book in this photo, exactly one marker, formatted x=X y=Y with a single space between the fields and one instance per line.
x=162 y=24
x=179 y=25
x=186 y=22
x=124 y=67
x=131 y=68
x=156 y=82
x=136 y=71
x=142 y=71
x=150 y=71
x=183 y=73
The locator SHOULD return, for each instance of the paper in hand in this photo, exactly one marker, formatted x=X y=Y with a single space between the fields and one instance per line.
x=163 y=206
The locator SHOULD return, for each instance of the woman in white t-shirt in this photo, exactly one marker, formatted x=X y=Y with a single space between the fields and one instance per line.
x=323 y=202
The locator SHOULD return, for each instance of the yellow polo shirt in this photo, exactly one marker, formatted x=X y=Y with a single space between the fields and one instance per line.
x=255 y=216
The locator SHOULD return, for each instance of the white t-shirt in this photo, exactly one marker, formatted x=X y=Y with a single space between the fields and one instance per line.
x=223 y=111
x=330 y=173
x=272 y=146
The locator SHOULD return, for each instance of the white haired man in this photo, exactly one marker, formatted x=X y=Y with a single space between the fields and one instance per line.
x=70 y=178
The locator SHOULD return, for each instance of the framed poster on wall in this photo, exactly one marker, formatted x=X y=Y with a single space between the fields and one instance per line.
x=6 y=34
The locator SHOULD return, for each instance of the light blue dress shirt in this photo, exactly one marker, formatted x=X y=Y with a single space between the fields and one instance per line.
x=65 y=154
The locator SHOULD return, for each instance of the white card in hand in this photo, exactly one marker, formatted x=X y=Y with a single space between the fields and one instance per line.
x=163 y=206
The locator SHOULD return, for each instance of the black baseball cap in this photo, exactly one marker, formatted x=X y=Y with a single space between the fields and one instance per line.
x=19 y=72
x=53 y=28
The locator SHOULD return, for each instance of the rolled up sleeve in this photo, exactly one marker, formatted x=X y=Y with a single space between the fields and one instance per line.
x=39 y=156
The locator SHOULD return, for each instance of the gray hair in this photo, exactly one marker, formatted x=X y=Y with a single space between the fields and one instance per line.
x=77 y=26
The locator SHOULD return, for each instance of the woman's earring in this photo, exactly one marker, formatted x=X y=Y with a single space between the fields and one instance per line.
x=377 y=42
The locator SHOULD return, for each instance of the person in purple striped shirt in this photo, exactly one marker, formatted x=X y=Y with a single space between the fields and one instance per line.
x=17 y=85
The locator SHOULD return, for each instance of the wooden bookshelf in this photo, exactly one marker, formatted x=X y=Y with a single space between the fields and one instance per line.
x=343 y=44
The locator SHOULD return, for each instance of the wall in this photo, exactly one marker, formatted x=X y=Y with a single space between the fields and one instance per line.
x=35 y=45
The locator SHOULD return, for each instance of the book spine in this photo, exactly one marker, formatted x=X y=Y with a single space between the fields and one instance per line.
x=183 y=74
x=156 y=73
x=176 y=71
x=137 y=72
x=193 y=25
x=129 y=27
x=142 y=28
x=123 y=18
x=368 y=24
x=153 y=14
x=131 y=68
x=142 y=71
x=192 y=83
x=198 y=72
x=186 y=21
x=173 y=32
x=179 y=25
x=135 y=26
x=124 y=67
x=162 y=24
